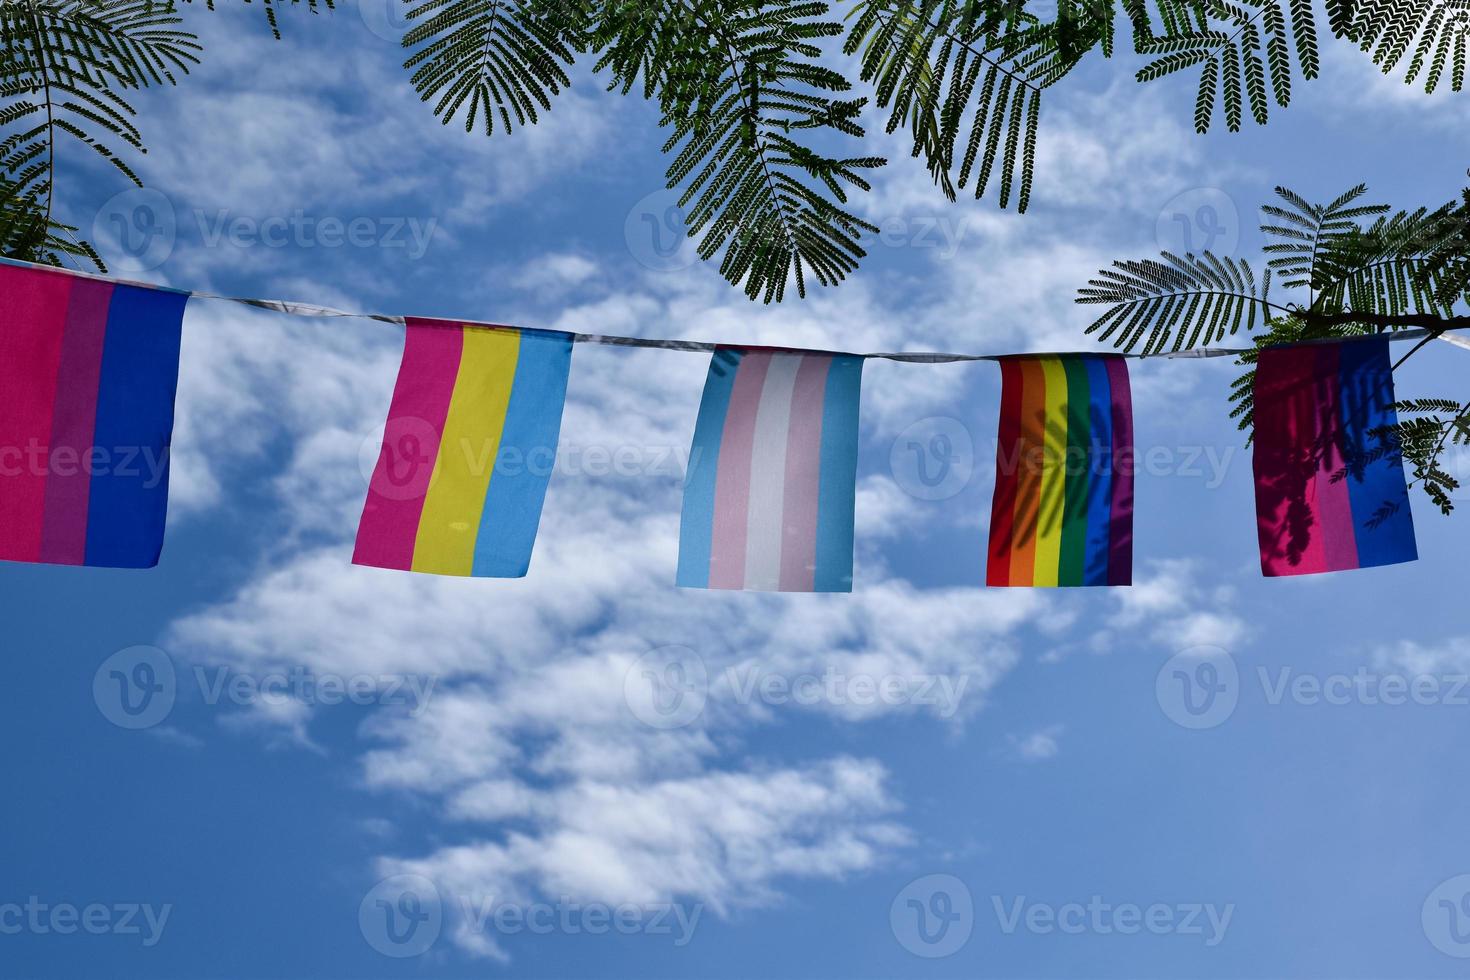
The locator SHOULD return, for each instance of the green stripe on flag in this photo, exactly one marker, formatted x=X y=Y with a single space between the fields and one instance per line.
x=1073 y=564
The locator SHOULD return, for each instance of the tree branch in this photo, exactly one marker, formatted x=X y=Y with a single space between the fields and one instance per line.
x=1384 y=321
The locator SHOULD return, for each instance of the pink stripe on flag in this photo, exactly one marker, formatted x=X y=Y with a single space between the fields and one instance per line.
x=732 y=475
x=803 y=476
x=1334 y=506
x=33 y=314
x=395 y=500
x=69 y=486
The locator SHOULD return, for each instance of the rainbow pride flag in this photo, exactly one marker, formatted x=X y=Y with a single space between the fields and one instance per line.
x=88 y=372
x=1330 y=489
x=771 y=489
x=468 y=450
x=1062 y=513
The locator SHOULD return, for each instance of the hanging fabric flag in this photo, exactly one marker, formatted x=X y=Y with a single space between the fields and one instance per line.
x=1062 y=513
x=88 y=372
x=769 y=498
x=1330 y=489
x=468 y=450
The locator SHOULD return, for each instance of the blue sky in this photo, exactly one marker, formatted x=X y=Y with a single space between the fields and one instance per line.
x=1038 y=799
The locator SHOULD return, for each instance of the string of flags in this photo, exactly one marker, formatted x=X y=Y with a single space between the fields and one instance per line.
x=89 y=369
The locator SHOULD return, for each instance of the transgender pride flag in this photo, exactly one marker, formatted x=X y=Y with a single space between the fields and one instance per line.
x=88 y=371
x=769 y=501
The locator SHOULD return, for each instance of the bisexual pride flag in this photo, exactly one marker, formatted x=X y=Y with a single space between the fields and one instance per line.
x=1330 y=489
x=468 y=450
x=88 y=372
x=771 y=489
x=1062 y=513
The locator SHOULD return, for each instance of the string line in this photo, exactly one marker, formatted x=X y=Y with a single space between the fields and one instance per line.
x=292 y=308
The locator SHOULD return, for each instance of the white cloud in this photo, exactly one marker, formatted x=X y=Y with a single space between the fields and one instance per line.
x=283 y=721
x=175 y=736
x=334 y=138
x=1449 y=656
x=721 y=840
x=1176 y=609
x=1037 y=746
x=249 y=378
x=1355 y=85
x=555 y=273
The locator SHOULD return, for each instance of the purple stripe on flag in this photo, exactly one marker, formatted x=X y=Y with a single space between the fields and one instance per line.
x=1334 y=506
x=1120 y=521
x=73 y=421
x=803 y=476
x=732 y=479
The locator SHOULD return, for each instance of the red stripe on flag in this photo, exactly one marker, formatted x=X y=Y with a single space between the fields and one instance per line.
x=1007 y=472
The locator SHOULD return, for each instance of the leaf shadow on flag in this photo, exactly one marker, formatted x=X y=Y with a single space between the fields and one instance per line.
x=725 y=360
x=1037 y=482
x=1321 y=444
x=1371 y=454
x=1029 y=466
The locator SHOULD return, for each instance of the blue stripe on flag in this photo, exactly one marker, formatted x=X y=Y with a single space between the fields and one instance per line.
x=838 y=481
x=128 y=505
x=1100 y=470
x=697 y=521
x=526 y=456
x=1365 y=404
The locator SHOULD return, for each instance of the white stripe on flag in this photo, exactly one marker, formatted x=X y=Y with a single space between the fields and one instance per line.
x=768 y=475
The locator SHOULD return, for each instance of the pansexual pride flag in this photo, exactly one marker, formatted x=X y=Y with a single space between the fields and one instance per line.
x=1330 y=492
x=88 y=371
x=468 y=450
x=1062 y=513
x=768 y=503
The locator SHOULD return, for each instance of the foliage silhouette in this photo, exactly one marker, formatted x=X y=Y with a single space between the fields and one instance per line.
x=762 y=128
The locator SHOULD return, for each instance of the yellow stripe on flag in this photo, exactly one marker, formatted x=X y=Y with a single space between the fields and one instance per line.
x=467 y=452
x=1053 y=475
